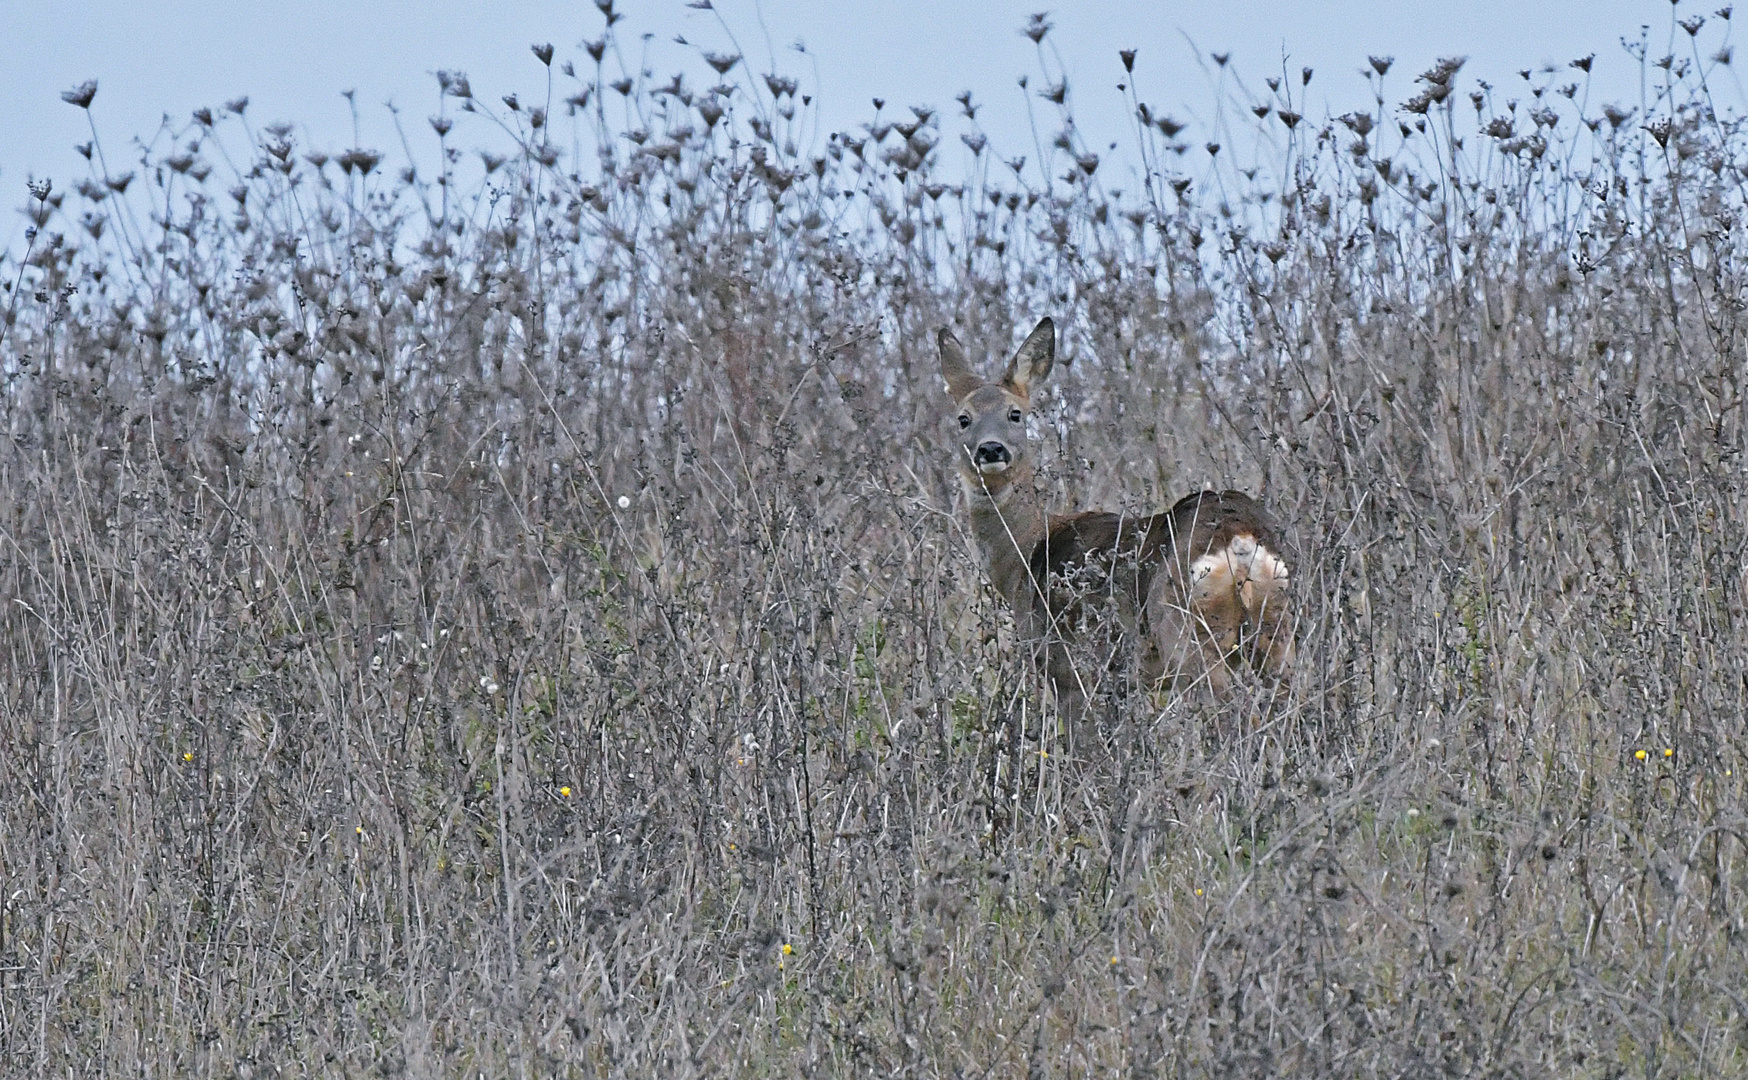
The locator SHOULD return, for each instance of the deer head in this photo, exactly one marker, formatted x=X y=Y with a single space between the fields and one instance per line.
x=992 y=415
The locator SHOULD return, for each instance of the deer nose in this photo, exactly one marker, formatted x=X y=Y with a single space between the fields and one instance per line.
x=991 y=453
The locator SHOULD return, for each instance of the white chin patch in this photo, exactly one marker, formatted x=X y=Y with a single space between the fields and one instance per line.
x=990 y=468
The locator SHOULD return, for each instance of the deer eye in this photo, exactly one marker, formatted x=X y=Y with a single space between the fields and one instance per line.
x=1015 y=416
x=964 y=420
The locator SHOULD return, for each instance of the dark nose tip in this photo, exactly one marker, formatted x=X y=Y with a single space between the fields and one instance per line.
x=991 y=452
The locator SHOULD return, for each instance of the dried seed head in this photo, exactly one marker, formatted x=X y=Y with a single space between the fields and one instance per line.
x=1438 y=77
x=362 y=160
x=454 y=83
x=81 y=95
x=1358 y=123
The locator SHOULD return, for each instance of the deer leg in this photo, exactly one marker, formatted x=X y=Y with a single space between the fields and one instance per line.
x=1071 y=694
x=1177 y=654
x=1269 y=616
x=1273 y=651
x=1048 y=655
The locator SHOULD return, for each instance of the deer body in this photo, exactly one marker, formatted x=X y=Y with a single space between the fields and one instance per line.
x=1200 y=588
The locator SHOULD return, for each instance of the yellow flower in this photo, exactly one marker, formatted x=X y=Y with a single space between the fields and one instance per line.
x=565 y=791
x=1198 y=892
x=187 y=756
x=1640 y=754
x=1113 y=961
x=1669 y=751
x=788 y=948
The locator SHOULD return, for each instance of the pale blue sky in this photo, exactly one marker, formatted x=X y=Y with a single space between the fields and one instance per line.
x=293 y=60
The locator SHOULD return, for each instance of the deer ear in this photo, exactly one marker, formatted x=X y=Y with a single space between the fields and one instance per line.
x=961 y=380
x=1032 y=362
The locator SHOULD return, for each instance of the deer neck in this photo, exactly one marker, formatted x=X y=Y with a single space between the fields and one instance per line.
x=1008 y=519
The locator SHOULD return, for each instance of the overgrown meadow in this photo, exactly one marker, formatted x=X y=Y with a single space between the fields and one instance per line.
x=518 y=619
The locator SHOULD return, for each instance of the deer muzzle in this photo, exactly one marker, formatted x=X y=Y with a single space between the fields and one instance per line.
x=991 y=457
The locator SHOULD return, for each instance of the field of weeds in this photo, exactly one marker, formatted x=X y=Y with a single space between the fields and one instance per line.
x=520 y=621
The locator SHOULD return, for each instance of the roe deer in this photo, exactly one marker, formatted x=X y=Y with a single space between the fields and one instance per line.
x=1201 y=586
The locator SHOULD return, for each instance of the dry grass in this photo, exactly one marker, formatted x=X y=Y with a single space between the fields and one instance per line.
x=532 y=633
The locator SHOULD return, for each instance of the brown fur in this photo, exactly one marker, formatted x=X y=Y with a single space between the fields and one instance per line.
x=1202 y=587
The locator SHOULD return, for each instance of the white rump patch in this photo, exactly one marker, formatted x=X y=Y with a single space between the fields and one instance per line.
x=1267 y=566
x=1243 y=560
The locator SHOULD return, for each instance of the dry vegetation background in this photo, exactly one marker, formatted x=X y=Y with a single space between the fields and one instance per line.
x=524 y=626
